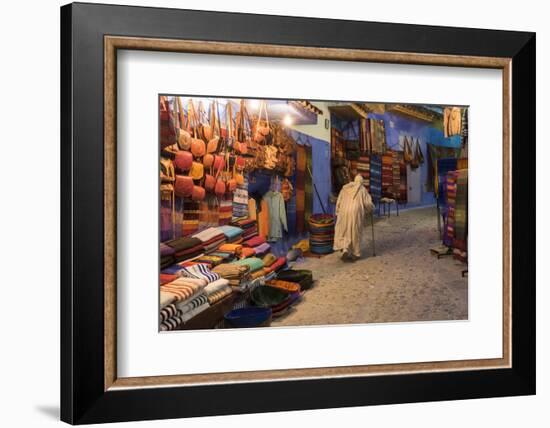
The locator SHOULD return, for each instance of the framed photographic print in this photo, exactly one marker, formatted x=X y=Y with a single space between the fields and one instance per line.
x=275 y=213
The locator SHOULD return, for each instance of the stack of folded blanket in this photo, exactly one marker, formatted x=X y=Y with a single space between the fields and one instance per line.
x=166 y=256
x=253 y=263
x=237 y=275
x=180 y=289
x=210 y=259
x=169 y=317
x=277 y=265
x=200 y=271
x=211 y=238
x=229 y=248
x=269 y=259
x=186 y=248
x=254 y=242
x=262 y=249
x=192 y=307
x=171 y=270
x=233 y=234
x=217 y=290
x=165 y=278
x=249 y=227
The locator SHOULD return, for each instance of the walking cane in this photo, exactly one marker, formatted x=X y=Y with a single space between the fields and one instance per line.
x=372 y=231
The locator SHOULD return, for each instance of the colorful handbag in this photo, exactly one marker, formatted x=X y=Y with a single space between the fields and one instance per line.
x=196 y=171
x=208 y=160
x=183 y=186
x=198 y=193
x=183 y=160
x=262 y=125
x=209 y=182
x=206 y=131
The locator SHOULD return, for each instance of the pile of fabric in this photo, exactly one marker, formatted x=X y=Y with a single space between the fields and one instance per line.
x=376 y=177
x=387 y=175
x=187 y=295
x=185 y=248
x=240 y=202
x=321 y=233
x=276 y=266
x=233 y=234
x=217 y=290
x=211 y=238
x=167 y=256
x=237 y=275
x=363 y=168
x=249 y=227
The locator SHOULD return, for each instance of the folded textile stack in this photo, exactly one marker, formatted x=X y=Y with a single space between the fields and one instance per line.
x=253 y=263
x=217 y=290
x=169 y=317
x=269 y=259
x=185 y=248
x=254 y=242
x=240 y=201
x=226 y=208
x=276 y=265
x=171 y=270
x=247 y=252
x=232 y=233
x=321 y=233
x=190 y=222
x=225 y=256
x=234 y=249
x=180 y=289
x=200 y=271
x=192 y=307
x=303 y=277
x=211 y=238
x=165 y=278
x=236 y=274
x=210 y=259
x=249 y=227
x=167 y=257
x=262 y=249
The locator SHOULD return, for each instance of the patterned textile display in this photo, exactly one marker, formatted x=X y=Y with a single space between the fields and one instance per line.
x=200 y=271
x=321 y=233
x=434 y=154
x=387 y=175
x=190 y=222
x=167 y=312
x=276 y=265
x=308 y=205
x=396 y=185
x=378 y=135
x=240 y=201
x=364 y=136
x=253 y=263
x=219 y=295
x=375 y=177
x=449 y=232
x=300 y=186
x=442 y=168
x=403 y=197
x=363 y=168
x=461 y=213
x=183 y=288
x=226 y=209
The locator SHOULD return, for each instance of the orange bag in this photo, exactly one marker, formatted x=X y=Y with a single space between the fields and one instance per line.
x=183 y=160
x=183 y=186
x=198 y=193
x=208 y=160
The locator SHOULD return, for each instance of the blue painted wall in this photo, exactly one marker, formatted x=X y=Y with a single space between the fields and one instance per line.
x=398 y=126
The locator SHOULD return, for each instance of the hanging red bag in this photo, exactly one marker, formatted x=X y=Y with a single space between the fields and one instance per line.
x=183 y=186
x=183 y=160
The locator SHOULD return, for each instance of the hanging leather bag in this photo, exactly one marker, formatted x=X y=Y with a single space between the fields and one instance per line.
x=183 y=160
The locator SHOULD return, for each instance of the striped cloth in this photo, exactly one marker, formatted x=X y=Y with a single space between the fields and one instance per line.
x=376 y=177
x=200 y=271
x=363 y=168
x=182 y=289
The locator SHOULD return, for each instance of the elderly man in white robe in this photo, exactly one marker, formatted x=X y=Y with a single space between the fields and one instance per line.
x=353 y=206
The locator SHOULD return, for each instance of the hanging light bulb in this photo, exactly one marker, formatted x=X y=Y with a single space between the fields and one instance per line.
x=287 y=120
